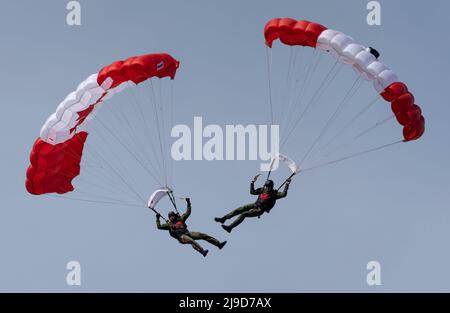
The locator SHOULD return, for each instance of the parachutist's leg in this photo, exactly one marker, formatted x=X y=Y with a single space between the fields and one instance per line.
x=239 y=211
x=185 y=239
x=251 y=213
x=206 y=237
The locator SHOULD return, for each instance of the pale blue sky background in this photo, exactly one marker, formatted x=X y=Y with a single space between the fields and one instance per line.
x=391 y=206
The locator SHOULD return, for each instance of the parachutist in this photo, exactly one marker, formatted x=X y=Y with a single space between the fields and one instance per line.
x=267 y=197
x=176 y=225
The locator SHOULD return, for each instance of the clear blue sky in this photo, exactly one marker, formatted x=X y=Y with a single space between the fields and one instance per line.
x=391 y=206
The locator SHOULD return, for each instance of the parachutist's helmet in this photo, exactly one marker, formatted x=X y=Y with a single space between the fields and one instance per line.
x=269 y=184
x=172 y=214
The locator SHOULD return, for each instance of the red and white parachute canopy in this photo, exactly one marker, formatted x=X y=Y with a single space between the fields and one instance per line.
x=304 y=33
x=56 y=154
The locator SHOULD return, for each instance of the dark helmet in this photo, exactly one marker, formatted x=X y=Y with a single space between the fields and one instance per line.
x=172 y=213
x=269 y=183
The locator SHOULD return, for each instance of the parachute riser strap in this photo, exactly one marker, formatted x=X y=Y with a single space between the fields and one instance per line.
x=284 y=183
x=172 y=199
x=270 y=169
x=157 y=213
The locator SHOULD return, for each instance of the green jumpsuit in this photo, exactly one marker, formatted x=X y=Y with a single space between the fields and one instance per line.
x=179 y=231
x=264 y=203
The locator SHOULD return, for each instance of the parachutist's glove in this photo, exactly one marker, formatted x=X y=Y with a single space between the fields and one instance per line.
x=288 y=181
x=255 y=178
x=158 y=216
x=188 y=200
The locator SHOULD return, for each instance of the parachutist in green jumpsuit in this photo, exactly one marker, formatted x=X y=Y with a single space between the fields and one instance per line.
x=176 y=225
x=267 y=197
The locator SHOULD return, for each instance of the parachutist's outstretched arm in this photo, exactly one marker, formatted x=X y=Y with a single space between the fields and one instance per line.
x=254 y=191
x=159 y=226
x=186 y=215
x=285 y=191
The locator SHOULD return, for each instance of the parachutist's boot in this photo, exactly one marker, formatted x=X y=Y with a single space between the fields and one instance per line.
x=204 y=253
x=221 y=245
x=220 y=220
x=227 y=228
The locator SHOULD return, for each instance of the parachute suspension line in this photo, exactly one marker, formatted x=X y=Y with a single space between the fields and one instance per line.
x=293 y=72
x=111 y=154
x=163 y=127
x=172 y=199
x=95 y=201
x=289 y=65
x=114 y=186
x=147 y=133
x=291 y=90
x=77 y=155
x=113 y=168
x=121 y=142
x=128 y=128
x=134 y=138
x=297 y=68
x=94 y=196
x=291 y=83
x=109 y=190
x=109 y=179
x=353 y=155
x=349 y=94
x=298 y=97
x=383 y=121
x=156 y=96
x=140 y=115
x=286 y=180
x=127 y=149
x=157 y=213
x=93 y=166
x=154 y=151
x=326 y=82
x=287 y=84
x=269 y=64
x=120 y=177
x=349 y=123
x=93 y=150
x=292 y=79
x=358 y=136
x=158 y=129
x=171 y=173
x=270 y=169
x=164 y=130
x=121 y=118
x=66 y=174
